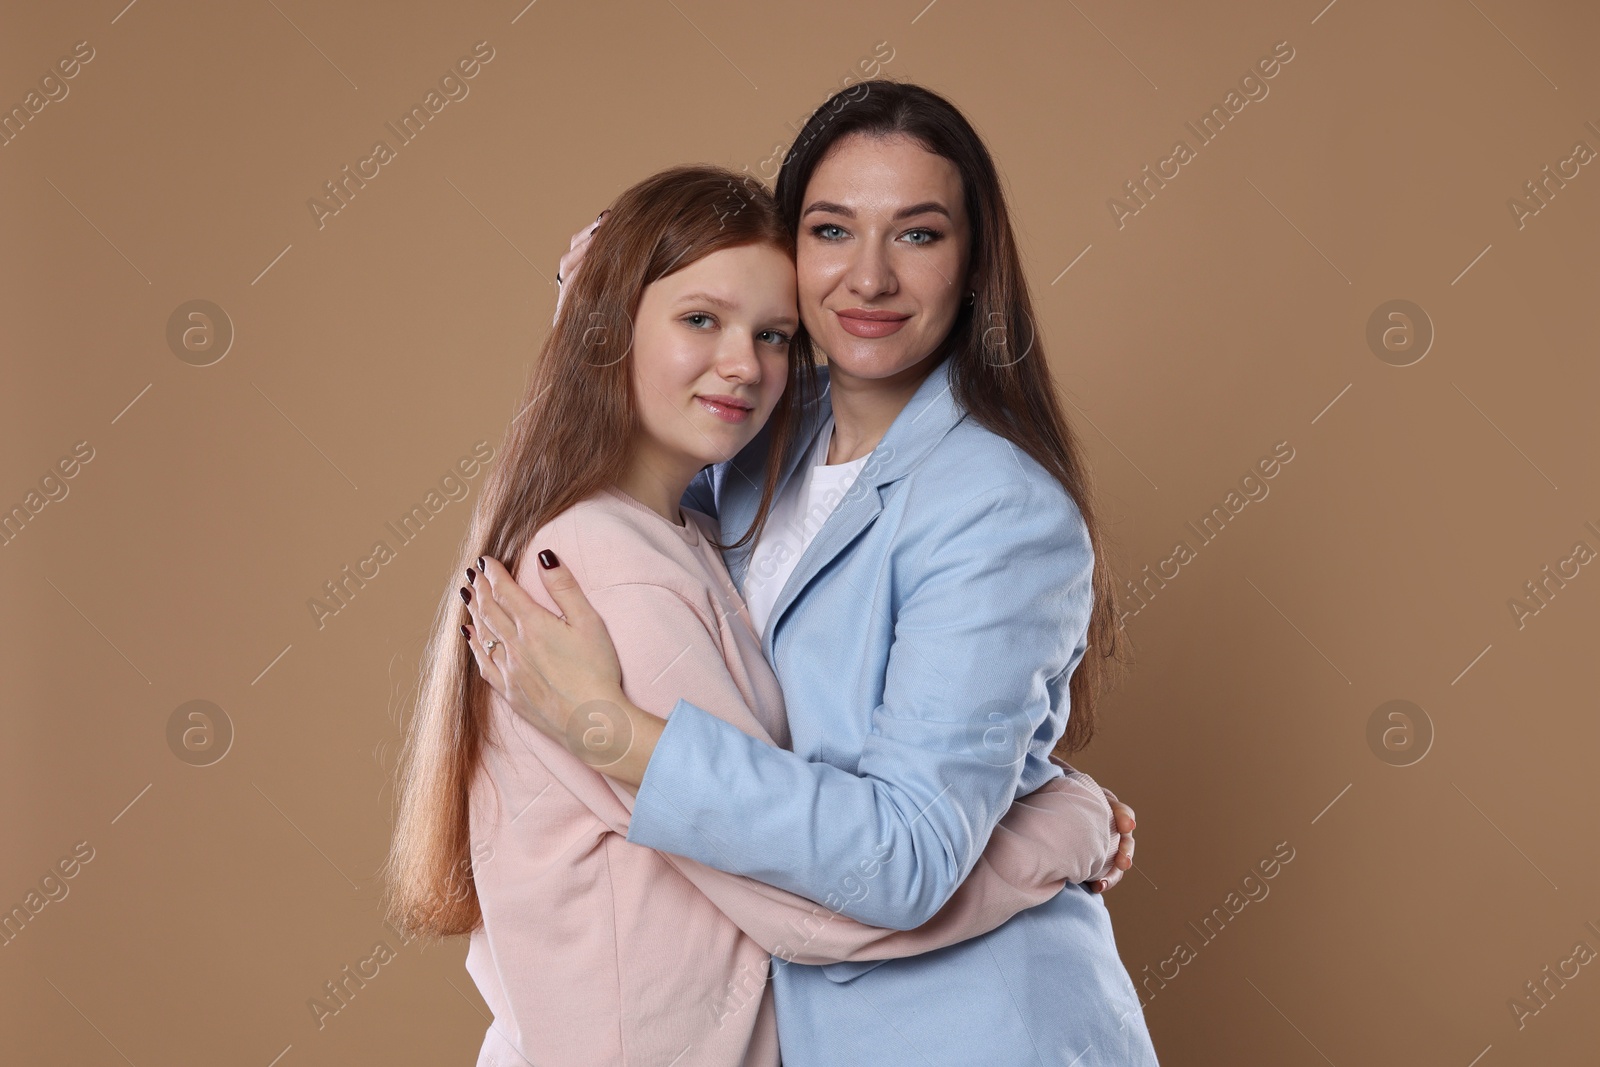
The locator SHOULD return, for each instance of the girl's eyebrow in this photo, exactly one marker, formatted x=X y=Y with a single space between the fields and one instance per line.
x=717 y=301
x=707 y=298
x=829 y=207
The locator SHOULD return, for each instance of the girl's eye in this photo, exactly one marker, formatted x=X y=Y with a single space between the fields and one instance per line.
x=929 y=236
x=819 y=228
x=776 y=337
x=694 y=318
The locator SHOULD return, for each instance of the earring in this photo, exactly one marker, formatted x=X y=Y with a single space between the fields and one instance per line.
x=972 y=295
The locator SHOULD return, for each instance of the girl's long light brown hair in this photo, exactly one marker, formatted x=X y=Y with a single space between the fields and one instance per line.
x=572 y=436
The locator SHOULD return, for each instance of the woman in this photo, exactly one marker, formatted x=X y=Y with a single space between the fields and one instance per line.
x=950 y=596
x=673 y=351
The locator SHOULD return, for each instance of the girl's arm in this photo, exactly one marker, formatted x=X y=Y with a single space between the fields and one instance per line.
x=997 y=616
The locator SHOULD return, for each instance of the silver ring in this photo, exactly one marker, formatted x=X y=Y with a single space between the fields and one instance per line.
x=489 y=645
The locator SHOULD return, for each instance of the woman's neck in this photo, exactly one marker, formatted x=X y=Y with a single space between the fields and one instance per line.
x=865 y=408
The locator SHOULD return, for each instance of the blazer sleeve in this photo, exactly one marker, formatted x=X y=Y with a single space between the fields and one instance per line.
x=996 y=615
x=1060 y=833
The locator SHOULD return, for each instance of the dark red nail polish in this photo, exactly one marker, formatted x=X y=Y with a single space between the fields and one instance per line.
x=547 y=559
x=466 y=595
x=465 y=632
x=472 y=576
x=480 y=565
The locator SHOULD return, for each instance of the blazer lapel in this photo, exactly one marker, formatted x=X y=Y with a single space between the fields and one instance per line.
x=739 y=494
x=930 y=414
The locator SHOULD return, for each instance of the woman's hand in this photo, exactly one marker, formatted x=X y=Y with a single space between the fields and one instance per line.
x=569 y=262
x=547 y=667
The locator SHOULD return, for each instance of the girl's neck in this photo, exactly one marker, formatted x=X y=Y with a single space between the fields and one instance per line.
x=656 y=489
x=865 y=408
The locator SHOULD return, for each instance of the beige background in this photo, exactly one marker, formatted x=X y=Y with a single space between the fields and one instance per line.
x=1229 y=314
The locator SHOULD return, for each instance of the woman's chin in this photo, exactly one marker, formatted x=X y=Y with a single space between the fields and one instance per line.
x=871 y=360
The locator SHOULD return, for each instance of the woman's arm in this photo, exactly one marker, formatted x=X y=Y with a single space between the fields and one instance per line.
x=1060 y=833
x=1064 y=826
x=996 y=618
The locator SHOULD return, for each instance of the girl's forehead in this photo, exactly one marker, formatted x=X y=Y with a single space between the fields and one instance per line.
x=744 y=277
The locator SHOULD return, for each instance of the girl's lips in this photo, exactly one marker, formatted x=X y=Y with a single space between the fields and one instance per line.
x=725 y=412
x=869 y=327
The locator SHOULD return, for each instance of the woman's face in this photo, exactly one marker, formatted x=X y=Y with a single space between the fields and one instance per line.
x=883 y=253
x=711 y=356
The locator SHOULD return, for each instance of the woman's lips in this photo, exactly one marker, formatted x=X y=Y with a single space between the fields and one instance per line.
x=871 y=323
x=724 y=409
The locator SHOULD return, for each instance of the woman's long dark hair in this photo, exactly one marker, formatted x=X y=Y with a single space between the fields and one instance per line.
x=1000 y=375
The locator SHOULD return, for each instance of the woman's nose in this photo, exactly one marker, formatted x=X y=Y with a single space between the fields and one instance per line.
x=870 y=274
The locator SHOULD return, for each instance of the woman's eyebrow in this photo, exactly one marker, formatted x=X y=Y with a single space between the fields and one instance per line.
x=831 y=208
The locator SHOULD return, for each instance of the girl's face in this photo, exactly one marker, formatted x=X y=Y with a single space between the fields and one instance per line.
x=711 y=357
x=883 y=253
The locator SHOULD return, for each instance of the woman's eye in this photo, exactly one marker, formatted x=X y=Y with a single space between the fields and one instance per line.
x=927 y=236
x=827 y=231
x=697 y=318
x=775 y=337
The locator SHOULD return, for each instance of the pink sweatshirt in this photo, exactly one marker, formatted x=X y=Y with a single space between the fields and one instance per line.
x=597 y=951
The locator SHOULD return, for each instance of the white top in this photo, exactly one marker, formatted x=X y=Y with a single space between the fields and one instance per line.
x=798 y=512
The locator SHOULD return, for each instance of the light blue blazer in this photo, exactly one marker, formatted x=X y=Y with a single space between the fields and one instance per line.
x=923 y=642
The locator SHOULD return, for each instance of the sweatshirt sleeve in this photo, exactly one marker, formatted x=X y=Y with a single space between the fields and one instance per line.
x=994 y=618
x=665 y=645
